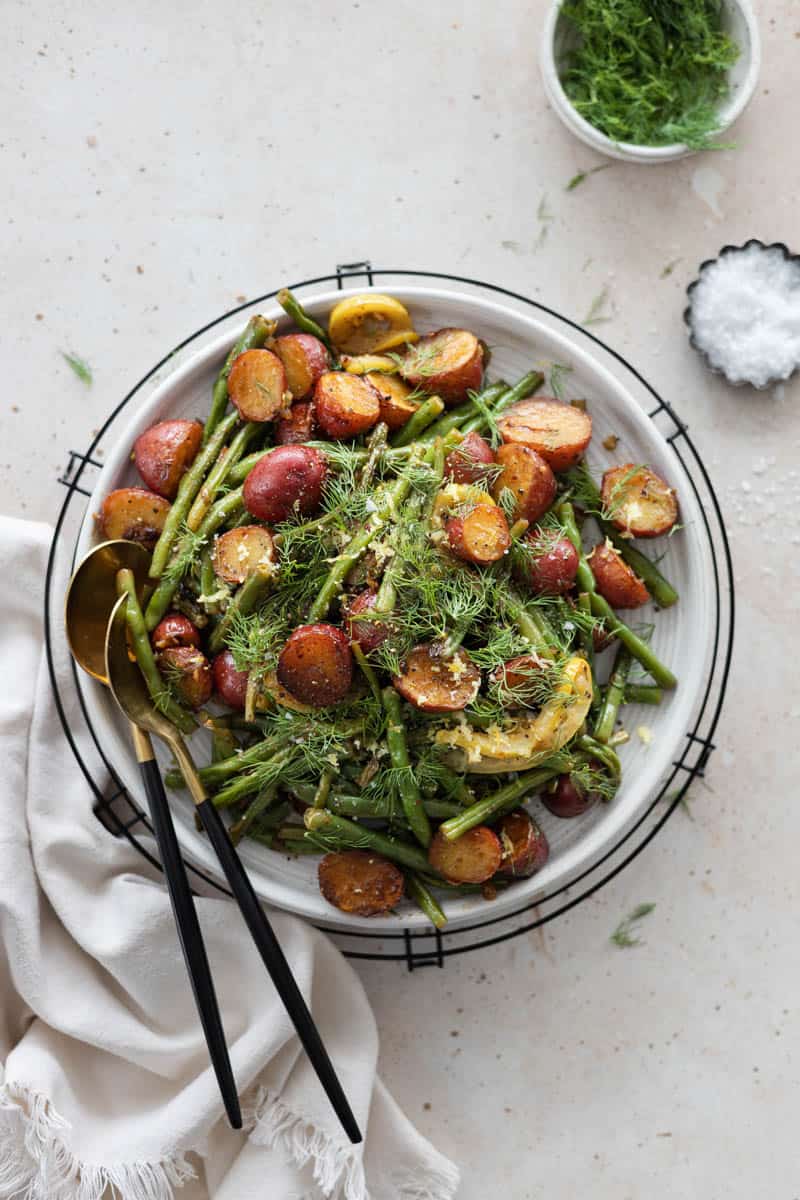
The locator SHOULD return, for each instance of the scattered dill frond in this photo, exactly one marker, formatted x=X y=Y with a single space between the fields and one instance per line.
x=582 y=489
x=79 y=366
x=616 y=496
x=489 y=472
x=582 y=176
x=669 y=268
x=492 y=429
x=649 y=72
x=558 y=375
x=421 y=359
x=624 y=935
x=544 y=217
x=597 y=313
x=189 y=548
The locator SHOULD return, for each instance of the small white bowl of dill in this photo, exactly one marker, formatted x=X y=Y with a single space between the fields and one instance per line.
x=649 y=81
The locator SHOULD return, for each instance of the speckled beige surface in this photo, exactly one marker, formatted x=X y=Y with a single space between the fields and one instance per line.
x=161 y=160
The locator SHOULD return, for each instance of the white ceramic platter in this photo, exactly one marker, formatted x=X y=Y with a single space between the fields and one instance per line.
x=682 y=636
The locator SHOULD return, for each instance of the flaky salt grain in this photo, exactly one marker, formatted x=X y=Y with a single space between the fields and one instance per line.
x=745 y=315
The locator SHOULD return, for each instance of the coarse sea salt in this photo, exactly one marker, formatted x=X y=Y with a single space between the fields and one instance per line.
x=745 y=315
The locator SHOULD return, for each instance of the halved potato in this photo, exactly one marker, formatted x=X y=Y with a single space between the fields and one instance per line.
x=526 y=740
x=345 y=405
x=370 y=323
x=639 y=502
x=241 y=551
x=357 y=881
x=436 y=684
x=257 y=385
x=133 y=513
x=304 y=359
x=525 y=847
x=528 y=477
x=396 y=408
x=316 y=664
x=616 y=581
x=556 y=430
x=448 y=363
x=472 y=858
x=481 y=537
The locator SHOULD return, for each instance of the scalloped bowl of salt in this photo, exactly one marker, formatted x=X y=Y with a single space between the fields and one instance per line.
x=744 y=313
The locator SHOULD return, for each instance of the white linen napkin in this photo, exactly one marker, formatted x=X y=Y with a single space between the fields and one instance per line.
x=105 y=1078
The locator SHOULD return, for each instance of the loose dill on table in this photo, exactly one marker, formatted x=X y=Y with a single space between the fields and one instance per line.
x=649 y=72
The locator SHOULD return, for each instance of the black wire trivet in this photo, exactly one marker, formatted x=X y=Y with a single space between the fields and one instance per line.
x=420 y=947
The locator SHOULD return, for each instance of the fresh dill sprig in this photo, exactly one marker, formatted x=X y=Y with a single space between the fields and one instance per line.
x=79 y=366
x=190 y=544
x=558 y=375
x=624 y=935
x=597 y=313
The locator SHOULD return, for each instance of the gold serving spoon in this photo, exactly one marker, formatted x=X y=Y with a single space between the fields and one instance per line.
x=91 y=598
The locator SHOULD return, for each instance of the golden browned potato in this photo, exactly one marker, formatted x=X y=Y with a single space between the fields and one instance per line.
x=345 y=405
x=257 y=385
x=616 y=581
x=304 y=359
x=396 y=408
x=295 y=426
x=448 y=363
x=638 y=501
x=525 y=847
x=188 y=672
x=472 y=858
x=528 y=477
x=359 y=882
x=519 y=681
x=556 y=430
x=164 y=452
x=436 y=684
x=316 y=664
x=241 y=551
x=134 y=514
x=480 y=537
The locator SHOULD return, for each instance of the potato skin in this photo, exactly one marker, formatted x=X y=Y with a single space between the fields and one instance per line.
x=435 y=684
x=552 y=565
x=134 y=514
x=288 y=479
x=257 y=385
x=189 y=672
x=639 y=502
x=515 y=680
x=472 y=858
x=525 y=847
x=528 y=477
x=481 y=537
x=295 y=426
x=469 y=461
x=228 y=682
x=447 y=363
x=241 y=551
x=164 y=452
x=395 y=407
x=566 y=800
x=556 y=430
x=368 y=634
x=316 y=664
x=345 y=405
x=615 y=580
x=359 y=882
x=174 y=630
x=304 y=359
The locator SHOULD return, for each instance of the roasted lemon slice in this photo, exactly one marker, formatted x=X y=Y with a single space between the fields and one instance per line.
x=370 y=324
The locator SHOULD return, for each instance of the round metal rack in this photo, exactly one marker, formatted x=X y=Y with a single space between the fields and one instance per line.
x=416 y=948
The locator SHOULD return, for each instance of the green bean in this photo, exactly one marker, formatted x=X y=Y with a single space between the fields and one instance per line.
x=637 y=646
x=323 y=789
x=526 y=386
x=294 y=309
x=126 y=585
x=255 y=809
x=587 y=646
x=255 y=333
x=584 y=577
x=602 y=753
x=418 y=892
x=187 y=490
x=376 y=447
x=337 y=833
x=606 y=718
x=366 y=670
x=244 y=601
x=406 y=783
x=424 y=417
x=642 y=693
x=227 y=458
x=497 y=803
x=454 y=419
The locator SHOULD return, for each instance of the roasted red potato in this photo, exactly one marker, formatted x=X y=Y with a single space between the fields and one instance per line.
x=134 y=514
x=551 y=564
x=287 y=480
x=359 y=882
x=188 y=672
x=393 y=393
x=304 y=359
x=240 y=552
x=471 y=461
x=638 y=502
x=316 y=664
x=556 y=430
x=436 y=684
x=519 y=680
x=481 y=537
x=257 y=385
x=528 y=477
x=228 y=682
x=568 y=800
x=525 y=847
x=448 y=363
x=369 y=634
x=616 y=581
x=345 y=405
x=164 y=452
x=472 y=858
x=296 y=426
x=174 y=630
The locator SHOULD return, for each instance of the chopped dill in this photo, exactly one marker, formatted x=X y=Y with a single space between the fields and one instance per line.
x=598 y=314
x=648 y=72
x=558 y=375
x=582 y=176
x=624 y=935
x=79 y=366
